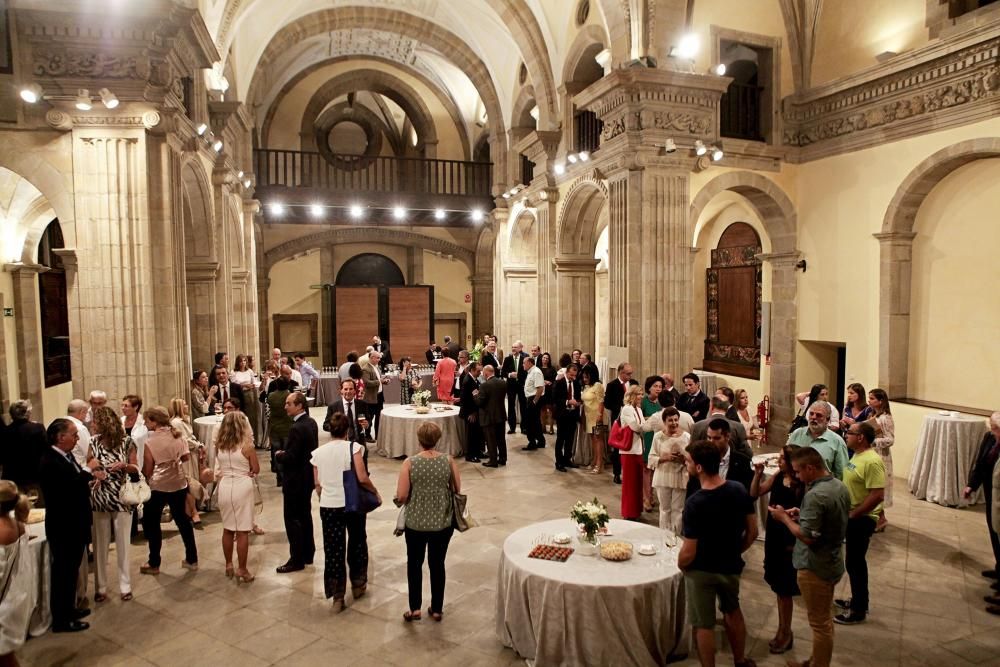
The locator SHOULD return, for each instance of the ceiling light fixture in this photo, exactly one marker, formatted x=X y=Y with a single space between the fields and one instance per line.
x=247 y=183
x=356 y=211
x=700 y=148
x=217 y=146
x=506 y=195
x=83 y=101
x=109 y=99
x=477 y=215
x=201 y=129
x=687 y=47
x=584 y=156
x=572 y=158
x=719 y=70
x=717 y=153
x=277 y=209
x=31 y=93
x=399 y=213
x=669 y=146
x=316 y=210
x=239 y=175
x=439 y=214
x=559 y=169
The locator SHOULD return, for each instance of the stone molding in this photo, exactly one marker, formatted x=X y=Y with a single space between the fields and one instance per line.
x=780 y=258
x=19 y=267
x=202 y=271
x=942 y=85
x=585 y=265
x=520 y=271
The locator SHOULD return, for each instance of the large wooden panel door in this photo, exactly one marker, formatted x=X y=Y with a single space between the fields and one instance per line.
x=411 y=318
x=355 y=315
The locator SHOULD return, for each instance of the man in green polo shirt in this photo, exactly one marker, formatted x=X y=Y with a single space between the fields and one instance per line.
x=819 y=532
x=816 y=435
x=864 y=477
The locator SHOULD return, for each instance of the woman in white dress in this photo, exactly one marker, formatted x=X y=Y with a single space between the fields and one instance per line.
x=18 y=593
x=885 y=436
x=236 y=466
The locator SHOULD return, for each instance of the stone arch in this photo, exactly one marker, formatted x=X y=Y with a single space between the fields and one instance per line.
x=524 y=102
x=578 y=218
x=403 y=23
x=443 y=96
x=896 y=251
x=196 y=202
x=615 y=16
x=51 y=185
x=583 y=46
x=482 y=281
x=203 y=293
x=359 y=269
x=522 y=243
x=366 y=235
x=778 y=215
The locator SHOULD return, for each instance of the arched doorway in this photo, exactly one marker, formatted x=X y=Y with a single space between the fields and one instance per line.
x=201 y=268
x=369 y=269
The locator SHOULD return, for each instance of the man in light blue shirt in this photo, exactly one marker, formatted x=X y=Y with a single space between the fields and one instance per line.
x=831 y=446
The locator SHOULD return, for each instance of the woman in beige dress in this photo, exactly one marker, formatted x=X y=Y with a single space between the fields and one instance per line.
x=593 y=413
x=885 y=436
x=180 y=419
x=236 y=466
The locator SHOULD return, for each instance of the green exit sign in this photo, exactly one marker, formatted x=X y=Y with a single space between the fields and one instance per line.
x=8 y=312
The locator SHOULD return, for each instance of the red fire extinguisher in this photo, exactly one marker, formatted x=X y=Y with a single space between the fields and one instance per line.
x=763 y=414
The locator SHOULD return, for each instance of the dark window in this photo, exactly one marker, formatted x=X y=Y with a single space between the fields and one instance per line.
x=587 y=131
x=733 y=295
x=744 y=107
x=52 y=306
x=527 y=170
x=958 y=7
x=187 y=90
x=369 y=269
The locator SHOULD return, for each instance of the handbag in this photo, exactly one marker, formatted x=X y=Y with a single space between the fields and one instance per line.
x=356 y=497
x=620 y=437
x=258 y=498
x=799 y=421
x=400 y=522
x=461 y=518
x=134 y=493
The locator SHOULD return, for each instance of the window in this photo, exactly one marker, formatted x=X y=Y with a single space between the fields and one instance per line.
x=52 y=306
x=587 y=129
x=957 y=8
x=733 y=313
x=743 y=106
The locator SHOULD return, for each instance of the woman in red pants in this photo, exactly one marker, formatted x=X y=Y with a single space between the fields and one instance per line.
x=632 y=459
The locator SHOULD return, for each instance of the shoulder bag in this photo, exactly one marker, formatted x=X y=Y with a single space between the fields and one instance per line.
x=461 y=518
x=134 y=493
x=356 y=497
x=621 y=436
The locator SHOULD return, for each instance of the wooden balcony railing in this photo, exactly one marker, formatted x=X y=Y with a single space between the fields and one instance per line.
x=358 y=173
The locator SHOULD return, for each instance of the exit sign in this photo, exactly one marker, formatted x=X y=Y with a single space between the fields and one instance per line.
x=8 y=312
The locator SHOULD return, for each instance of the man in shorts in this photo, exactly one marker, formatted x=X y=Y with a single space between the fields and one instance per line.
x=719 y=524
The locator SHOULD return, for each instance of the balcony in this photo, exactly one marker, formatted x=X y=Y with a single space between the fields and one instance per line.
x=299 y=179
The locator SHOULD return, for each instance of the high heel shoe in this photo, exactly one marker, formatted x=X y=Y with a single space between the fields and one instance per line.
x=782 y=648
x=244 y=577
x=230 y=571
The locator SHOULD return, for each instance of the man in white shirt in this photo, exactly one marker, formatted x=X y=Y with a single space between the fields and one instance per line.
x=98 y=399
x=534 y=387
x=77 y=413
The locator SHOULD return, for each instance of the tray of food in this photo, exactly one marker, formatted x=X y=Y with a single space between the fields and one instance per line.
x=551 y=552
x=615 y=550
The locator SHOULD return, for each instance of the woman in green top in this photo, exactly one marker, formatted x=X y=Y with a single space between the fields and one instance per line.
x=425 y=487
x=279 y=423
x=650 y=406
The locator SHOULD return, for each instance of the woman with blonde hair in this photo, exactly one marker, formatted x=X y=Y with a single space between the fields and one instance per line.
x=163 y=464
x=236 y=466
x=181 y=420
x=633 y=461
x=18 y=592
x=115 y=452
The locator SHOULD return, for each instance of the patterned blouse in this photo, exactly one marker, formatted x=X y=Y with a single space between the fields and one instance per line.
x=429 y=508
x=405 y=386
x=104 y=497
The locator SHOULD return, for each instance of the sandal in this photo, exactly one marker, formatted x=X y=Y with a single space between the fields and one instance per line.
x=436 y=615
x=230 y=571
x=257 y=530
x=100 y=597
x=126 y=596
x=409 y=616
x=244 y=577
x=148 y=569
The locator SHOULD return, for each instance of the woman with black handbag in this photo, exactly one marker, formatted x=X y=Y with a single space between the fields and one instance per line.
x=426 y=483
x=342 y=516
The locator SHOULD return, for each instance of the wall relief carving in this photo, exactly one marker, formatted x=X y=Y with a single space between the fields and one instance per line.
x=97 y=65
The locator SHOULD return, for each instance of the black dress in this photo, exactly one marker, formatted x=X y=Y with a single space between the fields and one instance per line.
x=778 y=542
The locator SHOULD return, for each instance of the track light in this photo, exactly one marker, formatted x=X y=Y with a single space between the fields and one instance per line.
x=316 y=210
x=239 y=175
x=506 y=195
x=83 y=102
x=584 y=156
x=700 y=148
x=477 y=215
x=439 y=214
x=560 y=169
x=31 y=93
x=717 y=153
x=109 y=99
x=398 y=212
x=572 y=158
x=201 y=129
x=719 y=70
x=217 y=146
x=247 y=183
x=687 y=47
x=277 y=209
x=669 y=146
x=356 y=211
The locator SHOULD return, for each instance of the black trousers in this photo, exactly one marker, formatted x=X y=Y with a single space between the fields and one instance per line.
x=375 y=409
x=473 y=439
x=994 y=539
x=277 y=444
x=531 y=422
x=614 y=455
x=859 y=536
x=66 y=557
x=297 y=508
x=152 y=509
x=496 y=442
x=515 y=399
x=565 y=439
x=340 y=526
x=436 y=545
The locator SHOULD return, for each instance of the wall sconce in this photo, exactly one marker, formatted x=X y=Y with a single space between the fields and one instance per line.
x=801 y=265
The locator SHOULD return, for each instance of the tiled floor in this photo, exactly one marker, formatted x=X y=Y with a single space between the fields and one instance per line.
x=926 y=591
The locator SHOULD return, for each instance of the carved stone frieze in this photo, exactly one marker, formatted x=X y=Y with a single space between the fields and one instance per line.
x=677 y=121
x=898 y=104
x=90 y=65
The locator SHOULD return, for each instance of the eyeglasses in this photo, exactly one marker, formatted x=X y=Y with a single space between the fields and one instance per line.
x=853 y=432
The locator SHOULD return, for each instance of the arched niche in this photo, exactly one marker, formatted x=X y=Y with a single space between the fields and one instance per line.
x=369 y=269
x=580 y=66
x=203 y=292
x=519 y=306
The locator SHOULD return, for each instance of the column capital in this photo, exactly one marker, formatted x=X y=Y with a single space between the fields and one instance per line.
x=21 y=267
x=575 y=264
x=68 y=257
x=780 y=258
x=895 y=237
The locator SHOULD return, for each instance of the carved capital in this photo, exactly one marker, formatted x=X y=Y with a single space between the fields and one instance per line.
x=68 y=257
x=583 y=265
x=779 y=259
x=59 y=120
x=22 y=268
x=895 y=238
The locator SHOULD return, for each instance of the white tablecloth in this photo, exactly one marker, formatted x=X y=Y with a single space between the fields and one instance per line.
x=588 y=610
x=38 y=547
x=709 y=382
x=946 y=449
x=397 y=432
x=391 y=391
x=205 y=429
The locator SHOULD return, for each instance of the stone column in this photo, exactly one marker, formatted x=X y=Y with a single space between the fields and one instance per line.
x=29 y=343
x=784 y=334
x=895 y=259
x=414 y=266
x=499 y=221
x=327 y=276
x=545 y=222
x=574 y=306
x=250 y=208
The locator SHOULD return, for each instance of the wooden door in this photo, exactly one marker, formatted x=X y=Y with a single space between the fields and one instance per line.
x=355 y=315
x=411 y=318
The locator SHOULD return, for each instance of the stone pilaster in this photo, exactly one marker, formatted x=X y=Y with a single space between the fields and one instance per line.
x=250 y=209
x=895 y=258
x=784 y=334
x=327 y=276
x=29 y=343
x=546 y=215
x=575 y=289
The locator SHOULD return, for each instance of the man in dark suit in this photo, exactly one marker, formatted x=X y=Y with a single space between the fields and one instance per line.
x=738 y=434
x=356 y=412
x=67 y=522
x=490 y=400
x=614 y=398
x=23 y=444
x=587 y=364
x=669 y=396
x=693 y=401
x=226 y=389
x=489 y=357
x=981 y=476
x=536 y=355
x=566 y=404
x=735 y=466
x=469 y=412
x=453 y=347
x=513 y=372
x=298 y=484
x=382 y=348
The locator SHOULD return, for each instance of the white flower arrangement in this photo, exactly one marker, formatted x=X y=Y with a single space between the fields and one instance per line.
x=420 y=398
x=591 y=516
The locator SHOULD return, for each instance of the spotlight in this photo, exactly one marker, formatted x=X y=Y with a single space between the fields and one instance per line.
x=109 y=99
x=247 y=183
x=700 y=148
x=217 y=146
x=506 y=195
x=717 y=153
x=201 y=129
x=239 y=175
x=560 y=169
x=669 y=146
x=477 y=215
x=572 y=158
x=720 y=69
x=399 y=213
x=356 y=211
x=584 y=156
x=316 y=210
x=31 y=93
x=277 y=209
x=687 y=48
x=439 y=214
x=83 y=102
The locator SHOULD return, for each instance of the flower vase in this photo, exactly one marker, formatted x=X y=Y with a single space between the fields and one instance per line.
x=422 y=409
x=587 y=544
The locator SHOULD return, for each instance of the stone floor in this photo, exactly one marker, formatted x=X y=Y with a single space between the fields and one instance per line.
x=926 y=591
